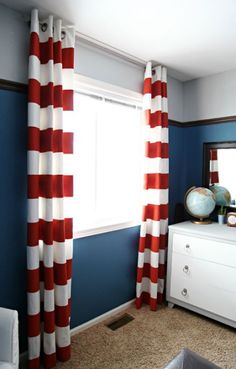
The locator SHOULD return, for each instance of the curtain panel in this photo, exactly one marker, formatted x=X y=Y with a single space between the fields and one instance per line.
x=50 y=190
x=213 y=168
x=151 y=269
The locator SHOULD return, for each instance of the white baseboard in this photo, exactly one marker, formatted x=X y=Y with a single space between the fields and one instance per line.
x=84 y=326
x=101 y=318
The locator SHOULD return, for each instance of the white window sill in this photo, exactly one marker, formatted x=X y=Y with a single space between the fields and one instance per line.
x=104 y=229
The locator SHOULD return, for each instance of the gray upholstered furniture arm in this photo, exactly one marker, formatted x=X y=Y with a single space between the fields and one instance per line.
x=9 y=342
x=188 y=359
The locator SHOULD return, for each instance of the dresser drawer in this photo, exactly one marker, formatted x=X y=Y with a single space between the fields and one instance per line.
x=203 y=284
x=206 y=249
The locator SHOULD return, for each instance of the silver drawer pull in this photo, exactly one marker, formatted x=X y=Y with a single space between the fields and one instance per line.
x=184 y=292
x=187 y=246
x=186 y=269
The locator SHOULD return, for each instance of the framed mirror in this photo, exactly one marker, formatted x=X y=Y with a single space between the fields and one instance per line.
x=219 y=166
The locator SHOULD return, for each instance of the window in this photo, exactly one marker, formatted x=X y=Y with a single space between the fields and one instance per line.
x=108 y=156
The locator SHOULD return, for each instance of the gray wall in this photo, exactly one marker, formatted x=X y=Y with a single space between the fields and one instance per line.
x=14 y=36
x=175 y=99
x=210 y=97
x=98 y=64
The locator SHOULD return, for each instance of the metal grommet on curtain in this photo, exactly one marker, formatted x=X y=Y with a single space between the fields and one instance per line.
x=44 y=27
x=63 y=35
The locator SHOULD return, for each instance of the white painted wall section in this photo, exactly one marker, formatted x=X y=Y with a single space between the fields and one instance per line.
x=210 y=97
x=14 y=45
x=175 y=93
x=93 y=62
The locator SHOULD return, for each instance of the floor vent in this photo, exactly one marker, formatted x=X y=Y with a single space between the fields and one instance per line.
x=120 y=322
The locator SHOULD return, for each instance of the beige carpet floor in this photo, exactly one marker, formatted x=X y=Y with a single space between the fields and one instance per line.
x=151 y=340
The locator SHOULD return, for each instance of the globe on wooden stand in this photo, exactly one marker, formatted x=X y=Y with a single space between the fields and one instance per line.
x=199 y=202
x=222 y=195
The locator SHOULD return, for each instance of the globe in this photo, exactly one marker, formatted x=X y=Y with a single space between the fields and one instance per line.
x=200 y=203
x=222 y=195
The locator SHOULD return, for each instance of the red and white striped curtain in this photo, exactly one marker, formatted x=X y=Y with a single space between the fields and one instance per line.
x=151 y=268
x=50 y=191
x=213 y=168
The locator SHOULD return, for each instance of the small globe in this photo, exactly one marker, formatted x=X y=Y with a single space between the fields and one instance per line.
x=222 y=195
x=199 y=202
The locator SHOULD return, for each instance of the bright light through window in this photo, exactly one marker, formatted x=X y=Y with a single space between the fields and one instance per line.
x=108 y=157
x=227 y=176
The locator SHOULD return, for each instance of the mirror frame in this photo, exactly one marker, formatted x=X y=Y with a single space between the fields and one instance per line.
x=206 y=157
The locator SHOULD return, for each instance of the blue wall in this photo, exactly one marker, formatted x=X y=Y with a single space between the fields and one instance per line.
x=104 y=266
x=104 y=273
x=13 y=203
x=177 y=168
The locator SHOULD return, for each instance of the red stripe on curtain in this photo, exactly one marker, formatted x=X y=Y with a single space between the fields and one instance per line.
x=57 y=51
x=34 y=49
x=157 y=149
x=68 y=57
x=33 y=280
x=50 y=95
x=33 y=322
x=61 y=314
x=147 y=271
x=46 y=51
x=63 y=353
x=50 y=186
x=50 y=140
x=159 y=119
x=50 y=229
x=61 y=272
x=49 y=321
x=156 y=182
x=151 y=269
x=147 y=85
x=214 y=178
x=155 y=212
x=34 y=363
x=151 y=272
x=155 y=119
x=49 y=360
x=159 y=88
x=34 y=91
x=145 y=298
x=213 y=168
x=57 y=230
x=153 y=243
x=214 y=154
x=68 y=101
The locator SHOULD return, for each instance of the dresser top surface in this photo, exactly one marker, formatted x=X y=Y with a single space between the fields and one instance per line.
x=214 y=230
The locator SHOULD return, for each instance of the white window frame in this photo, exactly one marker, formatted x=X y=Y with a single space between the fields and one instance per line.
x=95 y=87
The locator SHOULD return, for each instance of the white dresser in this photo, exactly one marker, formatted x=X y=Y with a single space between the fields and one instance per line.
x=201 y=273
